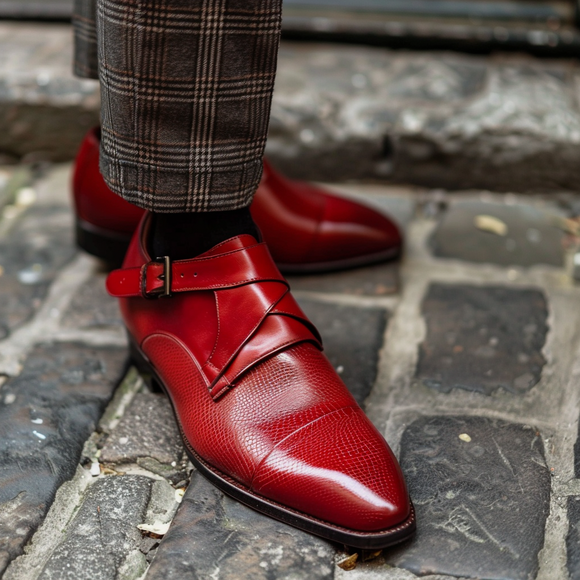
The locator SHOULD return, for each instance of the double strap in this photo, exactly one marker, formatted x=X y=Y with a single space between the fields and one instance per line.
x=257 y=315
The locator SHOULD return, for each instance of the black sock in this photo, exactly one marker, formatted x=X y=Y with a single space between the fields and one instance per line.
x=186 y=235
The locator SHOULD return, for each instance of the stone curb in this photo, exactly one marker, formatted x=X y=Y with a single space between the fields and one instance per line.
x=341 y=112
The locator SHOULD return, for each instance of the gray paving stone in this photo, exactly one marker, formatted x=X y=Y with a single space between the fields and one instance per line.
x=532 y=236
x=378 y=280
x=46 y=415
x=31 y=256
x=213 y=536
x=481 y=489
x=483 y=338
x=352 y=338
x=146 y=430
x=104 y=532
x=12 y=179
x=92 y=307
x=573 y=538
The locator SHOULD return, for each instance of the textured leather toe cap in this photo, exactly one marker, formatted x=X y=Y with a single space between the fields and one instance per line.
x=339 y=469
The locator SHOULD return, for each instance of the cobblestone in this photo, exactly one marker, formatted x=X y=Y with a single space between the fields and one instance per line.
x=146 y=430
x=481 y=488
x=103 y=534
x=531 y=235
x=380 y=280
x=573 y=539
x=214 y=536
x=483 y=338
x=36 y=250
x=92 y=308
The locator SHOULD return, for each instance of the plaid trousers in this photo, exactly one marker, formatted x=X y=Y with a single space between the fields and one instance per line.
x=186 y=88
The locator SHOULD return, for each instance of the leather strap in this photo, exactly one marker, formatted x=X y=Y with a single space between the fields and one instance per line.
x=249 y=290
x=243 y=266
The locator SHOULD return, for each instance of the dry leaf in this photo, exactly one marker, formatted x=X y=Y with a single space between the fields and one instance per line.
x=493 y=225
x=349 y=563
x=158 y=528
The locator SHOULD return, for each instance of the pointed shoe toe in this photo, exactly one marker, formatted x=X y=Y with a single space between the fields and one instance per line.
x=309 y=229
x=339 y=469
x=351 y=234
x=261 y=411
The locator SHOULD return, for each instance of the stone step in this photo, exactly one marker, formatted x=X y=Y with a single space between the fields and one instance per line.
x=505 y=123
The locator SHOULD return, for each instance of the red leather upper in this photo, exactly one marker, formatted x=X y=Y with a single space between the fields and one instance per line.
x=302 y=224
x=94 y=202
x=254 y=394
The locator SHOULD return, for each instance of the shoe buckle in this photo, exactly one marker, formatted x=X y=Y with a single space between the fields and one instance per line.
x=165 y=290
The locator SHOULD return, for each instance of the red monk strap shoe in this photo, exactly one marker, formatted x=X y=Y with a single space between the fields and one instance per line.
x=261 y=411
x=306 y=228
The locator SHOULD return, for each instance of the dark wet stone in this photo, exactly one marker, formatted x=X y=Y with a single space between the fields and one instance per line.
x=483 y=338
x=46 y=415
x=104 y=531
x=174 y=473
x=573 y=538
x=577 y=454
x=147 y=430
x=352 y=338
x=31 y=256
x=148 y=547
x=481 y=489
x=378 y=280
x=215 y=536
x=531 y=238
x=92 y=307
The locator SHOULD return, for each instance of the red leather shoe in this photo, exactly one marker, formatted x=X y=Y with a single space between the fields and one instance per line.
x=306 y=228
x=261 y=411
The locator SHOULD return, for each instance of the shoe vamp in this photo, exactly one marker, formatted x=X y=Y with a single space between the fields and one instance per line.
x=271 y=402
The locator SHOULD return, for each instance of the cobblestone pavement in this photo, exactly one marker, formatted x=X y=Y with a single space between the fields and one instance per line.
x=464 y=354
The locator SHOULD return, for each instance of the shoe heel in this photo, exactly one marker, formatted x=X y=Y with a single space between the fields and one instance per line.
x=144 y=367
x=108 y=246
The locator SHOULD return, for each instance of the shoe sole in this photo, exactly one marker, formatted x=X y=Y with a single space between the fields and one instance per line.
x=344 y=264
x=334 y=533
x=112 y=247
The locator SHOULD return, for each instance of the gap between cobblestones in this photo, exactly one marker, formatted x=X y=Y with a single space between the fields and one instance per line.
x=385 y=302
x=46 y=322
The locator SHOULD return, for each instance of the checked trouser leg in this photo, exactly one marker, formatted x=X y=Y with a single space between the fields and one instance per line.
x=186 y=89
